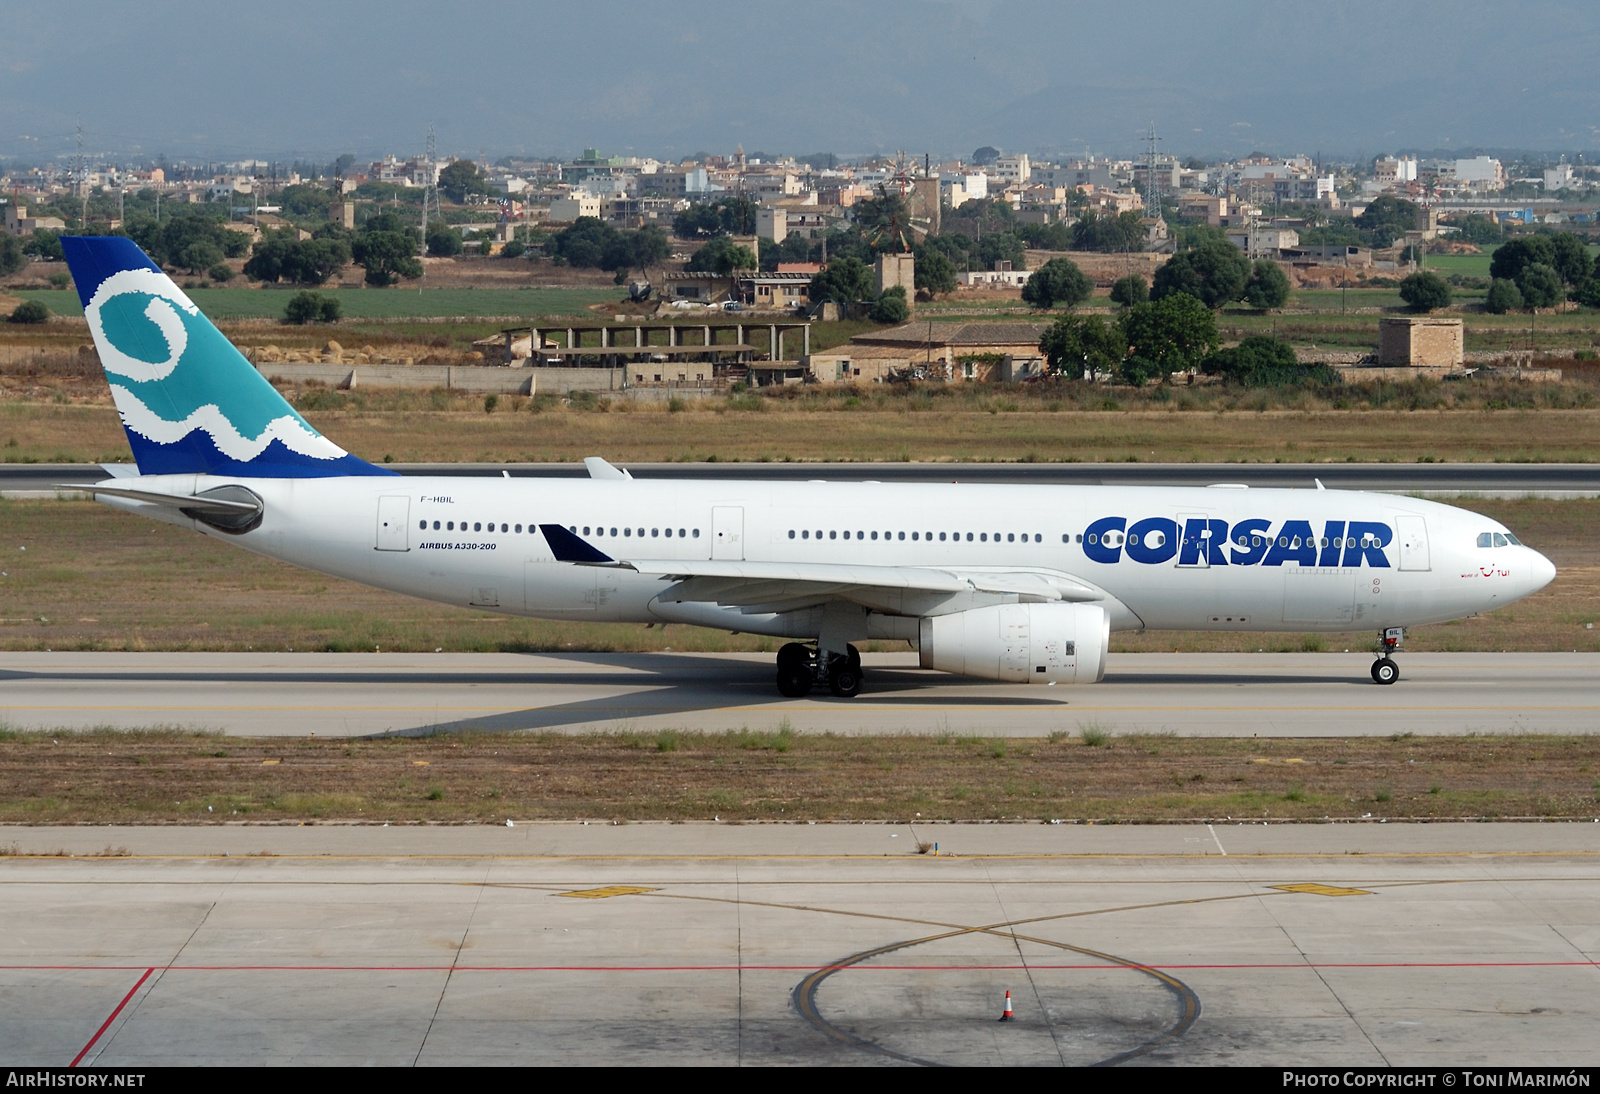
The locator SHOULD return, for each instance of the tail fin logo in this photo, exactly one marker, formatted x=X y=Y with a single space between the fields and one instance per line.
x=160 y=311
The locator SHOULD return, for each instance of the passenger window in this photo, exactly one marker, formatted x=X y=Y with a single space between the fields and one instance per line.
x=969 y=537
x=874 y=535
x=668 y=532
x=435 y=526
x=585 y=529
x=507 y=527
x=517 y=528
x=983 y=536
x=791 y=533
x=941 y=537
x=805 y=533
x=655 y=533
x=627 y=531
x=1011 y=537
x=833 y=535
x=913 y=535
x=902 y=535
x=680 y=533
x=451 y=527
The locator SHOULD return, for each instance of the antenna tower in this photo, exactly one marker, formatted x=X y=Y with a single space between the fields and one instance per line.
x=1152 y=188
x=430 y=190
x=83 y=181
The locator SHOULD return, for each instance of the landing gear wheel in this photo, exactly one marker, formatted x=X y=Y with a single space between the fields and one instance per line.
x=845 y=681
x=794 y=681
x=792 y=654
x=854 y=656
x=1385 y=671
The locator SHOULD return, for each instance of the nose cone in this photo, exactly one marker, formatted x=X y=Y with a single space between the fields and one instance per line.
x=1541 y=571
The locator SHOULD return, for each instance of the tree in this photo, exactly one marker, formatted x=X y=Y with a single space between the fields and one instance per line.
x=199 y=255
x=1516 y=255
x=311 y=307
x=721 y=256
x=1058 y=281
x=461 y=178
x=999 y=247
x=387 y=256
x=514 y=248
x=1425 y=291
x=45 y=245
x=844 y=281
x=304 y=200
x=635 y=250
x=30 y=311
x=1129 y=290
x=1267 y=286
x=731 y=214
x=1540 y=286
x=1588 y=293
x=884 y=222
x=935 y=272
x=443 y=240
x=12 y=256
x=891 y=306
x=1075 y=345
x=1570 y=257
x=1175 y=332
x=280 y=256
x=1263 y=361
x=1108 y=234
x=1503 y=296
x=220 y=272
x=1388 y=218
x=984 y=156
x=1214 y=273
x=584 y=243
x=1482 y=230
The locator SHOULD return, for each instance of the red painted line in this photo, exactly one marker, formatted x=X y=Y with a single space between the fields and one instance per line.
x=112 y=1018
x=1243 y=967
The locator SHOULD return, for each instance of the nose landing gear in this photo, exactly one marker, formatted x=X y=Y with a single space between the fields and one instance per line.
x=799 y=670
x=1384 y=669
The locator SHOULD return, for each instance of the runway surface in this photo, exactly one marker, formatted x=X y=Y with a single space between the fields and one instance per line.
x=1340 y=945
x=1440 y=479
x=1228 y=695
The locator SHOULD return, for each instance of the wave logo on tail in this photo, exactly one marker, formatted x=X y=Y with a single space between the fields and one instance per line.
x=189 y=400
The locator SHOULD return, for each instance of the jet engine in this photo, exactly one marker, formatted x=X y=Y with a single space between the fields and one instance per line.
x=1020 y=643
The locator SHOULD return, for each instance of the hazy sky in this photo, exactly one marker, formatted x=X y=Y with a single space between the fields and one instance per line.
x=299 y=78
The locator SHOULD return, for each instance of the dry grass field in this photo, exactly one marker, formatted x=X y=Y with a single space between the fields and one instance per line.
x=118 y=778
x=77 y=575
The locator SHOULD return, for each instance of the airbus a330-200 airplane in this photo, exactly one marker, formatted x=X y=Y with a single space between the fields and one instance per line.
x=1022 y=584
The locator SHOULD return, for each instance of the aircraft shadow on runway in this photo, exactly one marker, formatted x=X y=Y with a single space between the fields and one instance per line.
x=671 y=684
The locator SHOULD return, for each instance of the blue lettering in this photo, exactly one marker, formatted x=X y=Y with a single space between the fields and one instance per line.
x=1333 y=530
x=1094 y=539
x=1140 y=548
x=1195 y=540
x=1293 y=544
x=1242 y=533
x=1376 y=537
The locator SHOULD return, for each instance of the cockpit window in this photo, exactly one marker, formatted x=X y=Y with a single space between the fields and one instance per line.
x=1485 y=539
x=1513 y=540
x=1499 y=540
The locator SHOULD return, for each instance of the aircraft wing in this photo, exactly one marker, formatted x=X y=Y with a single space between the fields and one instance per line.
x=787 y=586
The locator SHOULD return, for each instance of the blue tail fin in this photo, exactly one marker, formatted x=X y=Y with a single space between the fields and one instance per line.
x=189 y=401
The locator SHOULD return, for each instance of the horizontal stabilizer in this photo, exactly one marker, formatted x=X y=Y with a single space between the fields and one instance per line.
x=569 y=547
x=176 y=501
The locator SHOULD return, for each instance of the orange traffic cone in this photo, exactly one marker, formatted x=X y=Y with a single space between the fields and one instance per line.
x=1008 y=1016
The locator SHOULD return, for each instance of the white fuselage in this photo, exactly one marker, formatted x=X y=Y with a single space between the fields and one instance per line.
x=1217 y=558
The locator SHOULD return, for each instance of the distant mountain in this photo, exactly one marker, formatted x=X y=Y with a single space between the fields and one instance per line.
x=509 y=76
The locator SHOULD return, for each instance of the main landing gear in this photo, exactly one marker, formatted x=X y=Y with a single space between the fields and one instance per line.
x=1384 y=669
x=800 y=668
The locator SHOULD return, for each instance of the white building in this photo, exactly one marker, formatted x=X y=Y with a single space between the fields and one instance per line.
x=1481 y=173
x=568 y=209
x=1558 y=177
x=1395 y=172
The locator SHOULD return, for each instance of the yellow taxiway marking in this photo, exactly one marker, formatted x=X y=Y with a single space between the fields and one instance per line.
x=609 y=890
x=1317 y=889
x=264 y=762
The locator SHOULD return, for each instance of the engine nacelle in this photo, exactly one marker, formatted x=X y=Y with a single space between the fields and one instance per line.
x=1020 y=643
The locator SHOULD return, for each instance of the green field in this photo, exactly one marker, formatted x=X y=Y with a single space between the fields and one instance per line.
x=398 y=303
x=1465 y=265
